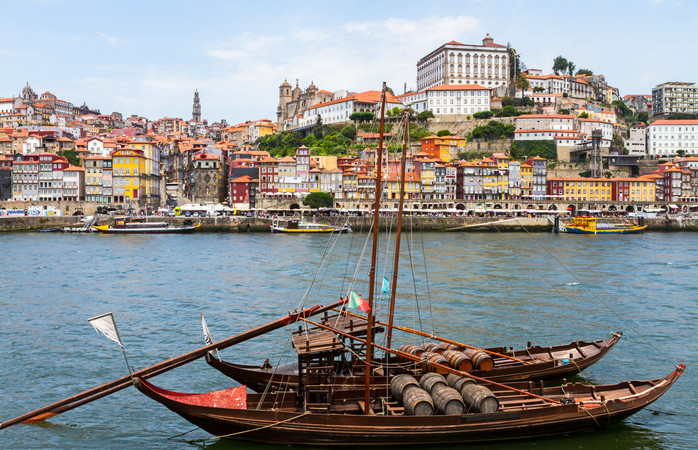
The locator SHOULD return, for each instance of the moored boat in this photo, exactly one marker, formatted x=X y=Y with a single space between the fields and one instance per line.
x=532 y=410
x=125 y=225
x=592 y=225
x=296 y=226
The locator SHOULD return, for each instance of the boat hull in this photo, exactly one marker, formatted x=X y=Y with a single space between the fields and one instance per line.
x=593 y=407
x=326 y=230
x=578 y=356
x=630 y=230
x=158 y=230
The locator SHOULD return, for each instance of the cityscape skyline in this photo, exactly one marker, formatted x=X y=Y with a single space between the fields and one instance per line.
x=150 y=60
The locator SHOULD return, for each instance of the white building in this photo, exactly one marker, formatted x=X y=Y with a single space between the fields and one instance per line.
x=451 y=103
x=666 y=137
x=339 y=110
x=546 y=122
x=586 y=126
x=414 y=100
x=636 y=144
x=456 y=63
x=574 y=87
x=674 y=97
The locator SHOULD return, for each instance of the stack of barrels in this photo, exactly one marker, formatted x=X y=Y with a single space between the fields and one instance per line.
x=447 y=396
x=451 y=355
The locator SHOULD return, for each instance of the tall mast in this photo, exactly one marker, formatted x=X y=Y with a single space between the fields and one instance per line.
x=372 y=274
x=393 y=288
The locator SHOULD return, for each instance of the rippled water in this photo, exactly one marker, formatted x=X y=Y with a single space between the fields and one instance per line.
x=486 y=289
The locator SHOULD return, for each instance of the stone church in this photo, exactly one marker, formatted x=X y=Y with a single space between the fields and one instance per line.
x=295 y=101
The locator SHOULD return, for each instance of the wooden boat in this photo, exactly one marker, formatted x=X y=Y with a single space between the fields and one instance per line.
x=533 y=363
x=296 y=226
x=275 y=418
x=126 y=225
x=592 y=225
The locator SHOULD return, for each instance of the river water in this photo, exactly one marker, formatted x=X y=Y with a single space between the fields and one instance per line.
x=484 y=289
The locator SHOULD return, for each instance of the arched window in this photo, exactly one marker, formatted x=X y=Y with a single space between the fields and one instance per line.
x=460 y=58
x=460 y=68
x=474 y=59
x=467 y=58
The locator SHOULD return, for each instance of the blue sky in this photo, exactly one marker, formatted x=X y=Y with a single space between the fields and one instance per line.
x=148 y=57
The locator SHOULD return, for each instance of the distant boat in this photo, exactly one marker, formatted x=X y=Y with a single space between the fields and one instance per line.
x=298 y=226
x=49 y=230
x=125 y=225
x=592 y=225
x=86 y=226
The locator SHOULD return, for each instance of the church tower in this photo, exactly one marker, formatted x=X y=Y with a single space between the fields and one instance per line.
x=284 y=100
x=196 y=110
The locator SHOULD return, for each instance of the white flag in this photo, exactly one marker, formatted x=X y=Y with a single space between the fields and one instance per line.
x=207 y=336
x=107 y=326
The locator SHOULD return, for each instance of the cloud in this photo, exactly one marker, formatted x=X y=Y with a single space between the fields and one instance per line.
x=113 y=40
x=354 y=55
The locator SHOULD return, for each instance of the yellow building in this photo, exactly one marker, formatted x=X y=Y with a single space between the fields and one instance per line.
x=413 y=187
x=642 y=189
x=526 y=180
x=502 y=162
x=288 y=181
x=150 y=176
x=445 y=148
x=587 y=189
x=128 y=168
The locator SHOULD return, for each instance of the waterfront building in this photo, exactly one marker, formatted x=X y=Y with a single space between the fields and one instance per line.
x=268 y=176
x=633 y=190
x=207 y=178
x=674 y=98
x=451 y=182
x=540 y=175
x=128 y=165
x=350 y=185
x=288 y=181
x=94 y=179
x=5 y=183
x=413 y=187
x=469 y=181
x=150 y=175
x=52 y=184
x=526 y=180
x=303 y=168
x=25 y=177
x=331 y=181
x=314 y=180
x=456 y=63
x=580 y=189
x=425 y=172
x=514 y=179
x=73 y=184
x=667 y=137
x=243 y=192
x=367 y=188
x=440 y=181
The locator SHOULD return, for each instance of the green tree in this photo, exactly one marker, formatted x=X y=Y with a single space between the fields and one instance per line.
x=585 y=72
x=522 y=83
x=681 y=152
x=559 y=65
x=424 y=115
x=564 y=111
x=443 y=133
x=71 y=155
x=310 y=140
x=364 y=116
x=643 y=117
x=570 y=67
x=418 y=134
x=349 y=131
x=319 y=200
x=583 y=115
x=507 y=111
x=483 y=114
x=525 y=149
x=538 y=89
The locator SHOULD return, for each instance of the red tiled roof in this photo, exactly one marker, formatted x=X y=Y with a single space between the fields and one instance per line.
x=457 y=87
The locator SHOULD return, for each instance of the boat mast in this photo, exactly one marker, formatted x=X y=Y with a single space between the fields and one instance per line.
x=399 y=230
x=372 y=274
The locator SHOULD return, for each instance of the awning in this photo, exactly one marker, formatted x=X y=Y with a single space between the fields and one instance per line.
x=673 y=206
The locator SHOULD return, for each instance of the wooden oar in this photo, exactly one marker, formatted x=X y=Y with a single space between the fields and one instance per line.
x=156 y=369
x=448 y=369
x=448 y=341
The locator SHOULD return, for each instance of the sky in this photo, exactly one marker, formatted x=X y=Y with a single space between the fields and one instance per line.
x=148 y=57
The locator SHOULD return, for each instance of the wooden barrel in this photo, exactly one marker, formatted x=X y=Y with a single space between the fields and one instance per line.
x=448 y=401
x=430 y=380
x=401 y=384
x=480 y=359
x=418 y=402
x=429 y=359
x=479 y=399
x=432 y=348
x=446 y=346
x=457 y=382
x=411 y=349
x=458 y=360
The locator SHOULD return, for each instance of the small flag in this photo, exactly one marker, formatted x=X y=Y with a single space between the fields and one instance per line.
x=358 y=302
x=107 y=326
x=208 y=338
x=386 y=285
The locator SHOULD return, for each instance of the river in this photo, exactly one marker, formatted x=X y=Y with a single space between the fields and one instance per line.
x=482 y=288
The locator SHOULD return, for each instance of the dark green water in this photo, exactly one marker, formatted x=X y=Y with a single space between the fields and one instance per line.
x=485 y=289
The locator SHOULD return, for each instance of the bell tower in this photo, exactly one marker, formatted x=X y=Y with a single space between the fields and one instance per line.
x=196 y=110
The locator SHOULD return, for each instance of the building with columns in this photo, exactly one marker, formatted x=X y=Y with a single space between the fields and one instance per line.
x=456 y=63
